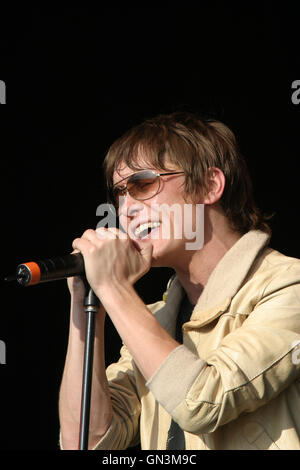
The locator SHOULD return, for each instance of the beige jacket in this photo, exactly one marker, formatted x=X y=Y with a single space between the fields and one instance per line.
x=235 y=382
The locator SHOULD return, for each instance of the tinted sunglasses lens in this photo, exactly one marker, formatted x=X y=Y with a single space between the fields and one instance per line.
x=143 y=185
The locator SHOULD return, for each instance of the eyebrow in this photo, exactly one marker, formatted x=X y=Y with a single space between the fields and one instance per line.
x=122 y=179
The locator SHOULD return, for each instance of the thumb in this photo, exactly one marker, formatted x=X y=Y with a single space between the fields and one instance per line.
x=144 y=257
x=146 y=253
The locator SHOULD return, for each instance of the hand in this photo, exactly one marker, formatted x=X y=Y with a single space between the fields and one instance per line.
x=76 y=287
x=112 y=258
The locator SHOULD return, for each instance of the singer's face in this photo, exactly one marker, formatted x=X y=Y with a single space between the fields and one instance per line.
x=167 y=219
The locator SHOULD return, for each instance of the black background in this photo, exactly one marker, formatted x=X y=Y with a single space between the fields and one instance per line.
x=78 y=78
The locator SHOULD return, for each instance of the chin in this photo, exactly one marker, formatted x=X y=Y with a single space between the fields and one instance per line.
x=165 y=251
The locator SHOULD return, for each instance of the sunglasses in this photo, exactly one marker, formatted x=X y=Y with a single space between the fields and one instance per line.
x=141 y=186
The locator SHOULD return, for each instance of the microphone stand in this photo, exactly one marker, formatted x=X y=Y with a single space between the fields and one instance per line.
x=91 y=304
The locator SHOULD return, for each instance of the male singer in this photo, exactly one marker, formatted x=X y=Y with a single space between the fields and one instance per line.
x=215 y=364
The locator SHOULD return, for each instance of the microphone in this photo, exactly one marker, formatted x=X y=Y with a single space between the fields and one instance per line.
x=52 y=269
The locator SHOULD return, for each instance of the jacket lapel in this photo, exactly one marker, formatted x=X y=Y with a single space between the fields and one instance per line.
x=222 y=285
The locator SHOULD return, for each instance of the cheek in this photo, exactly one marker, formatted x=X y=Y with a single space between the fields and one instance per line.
x=177 y=225
x=122 y=224
x=187 y=221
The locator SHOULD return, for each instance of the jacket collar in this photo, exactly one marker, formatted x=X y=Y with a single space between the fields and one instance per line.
x=222 y=285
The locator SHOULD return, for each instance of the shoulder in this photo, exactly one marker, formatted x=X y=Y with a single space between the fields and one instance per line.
x=274 y=282
x=270 y=262
x=273 y=265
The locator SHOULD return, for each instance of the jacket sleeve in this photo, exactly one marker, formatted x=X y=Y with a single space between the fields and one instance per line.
x=124 y=428
x=251 y=365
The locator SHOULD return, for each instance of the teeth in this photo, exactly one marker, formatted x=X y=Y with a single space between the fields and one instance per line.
x=145 y=226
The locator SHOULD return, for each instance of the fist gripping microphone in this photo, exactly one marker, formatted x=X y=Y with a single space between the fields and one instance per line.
x=53 y=269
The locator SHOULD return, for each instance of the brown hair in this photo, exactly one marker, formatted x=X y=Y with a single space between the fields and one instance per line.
x=195 y=145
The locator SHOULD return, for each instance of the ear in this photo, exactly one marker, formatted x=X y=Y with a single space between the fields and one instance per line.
x=216 y=185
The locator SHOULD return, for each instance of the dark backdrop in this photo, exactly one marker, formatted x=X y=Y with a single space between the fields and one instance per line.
x=76 y=79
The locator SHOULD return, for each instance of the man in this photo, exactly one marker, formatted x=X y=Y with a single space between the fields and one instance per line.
x=214 y=365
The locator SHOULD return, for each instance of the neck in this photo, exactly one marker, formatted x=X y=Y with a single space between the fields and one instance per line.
x=194 y=276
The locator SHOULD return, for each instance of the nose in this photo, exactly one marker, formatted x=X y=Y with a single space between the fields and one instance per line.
x=128 y=206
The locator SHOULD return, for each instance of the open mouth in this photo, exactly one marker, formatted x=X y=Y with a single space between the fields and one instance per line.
x=144 y=230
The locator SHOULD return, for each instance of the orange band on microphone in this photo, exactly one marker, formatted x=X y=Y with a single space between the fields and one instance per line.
x=35 y=272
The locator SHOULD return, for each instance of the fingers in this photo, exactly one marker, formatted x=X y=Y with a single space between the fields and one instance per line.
x=88 y=239
x=102 y=233
x=146 y=253
x=83 y=245
x=110 y=255
x=111 y=232
x=92 y=237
